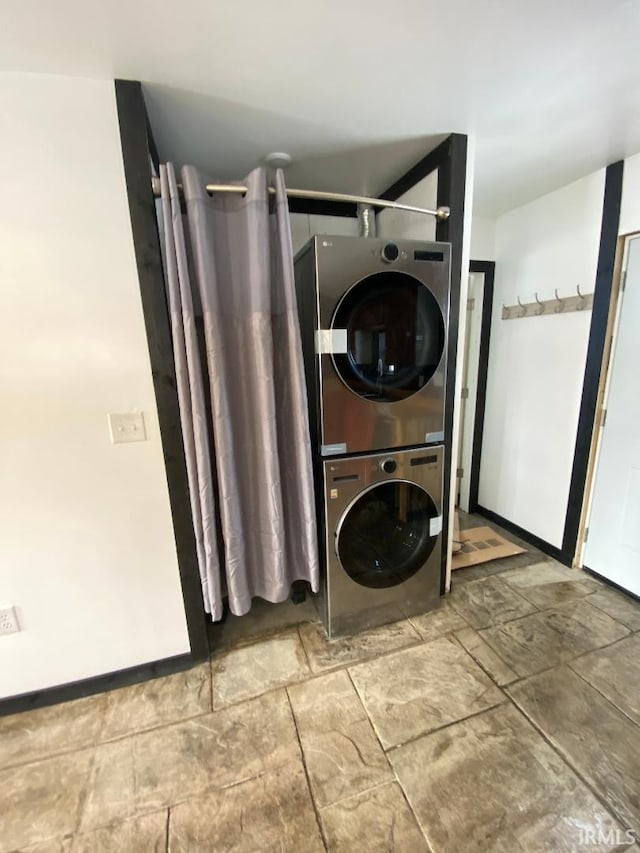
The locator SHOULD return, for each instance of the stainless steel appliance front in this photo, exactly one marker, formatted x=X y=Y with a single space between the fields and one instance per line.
x=383 y=539
x=374 y=317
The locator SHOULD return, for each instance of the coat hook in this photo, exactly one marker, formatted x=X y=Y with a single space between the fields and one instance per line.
x=580 y=304
x=506 y=312
x=523 y=308
x=560 y=306
x=540 y=308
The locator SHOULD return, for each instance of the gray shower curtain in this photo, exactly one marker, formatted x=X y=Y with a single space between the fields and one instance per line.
x=241 y=388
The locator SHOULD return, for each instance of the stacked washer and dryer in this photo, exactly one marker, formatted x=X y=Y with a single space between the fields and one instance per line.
x=374 y=318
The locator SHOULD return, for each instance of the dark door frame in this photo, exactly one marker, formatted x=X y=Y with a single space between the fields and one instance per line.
x=489 y=269
x=139 y=152
x=595 y=355
x=449 y=158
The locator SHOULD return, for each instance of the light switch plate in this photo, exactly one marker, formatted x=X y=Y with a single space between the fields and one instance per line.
x=127 y=427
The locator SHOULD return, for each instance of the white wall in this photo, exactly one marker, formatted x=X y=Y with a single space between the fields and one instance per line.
x=304 y=226
x=630 y=205
x=483 y=238
x=87 y=552
x=536 y=365
x=412 y=226
x=389 y=222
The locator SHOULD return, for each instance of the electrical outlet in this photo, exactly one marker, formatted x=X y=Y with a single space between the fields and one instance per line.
x=127 y=427
x=8 y=621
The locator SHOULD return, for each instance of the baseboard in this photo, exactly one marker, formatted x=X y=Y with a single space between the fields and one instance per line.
x=525 y=535
x=611 y=583
x=98 y=684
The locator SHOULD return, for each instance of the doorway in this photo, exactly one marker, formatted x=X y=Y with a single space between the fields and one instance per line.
x=611 y=538
x=475 y=354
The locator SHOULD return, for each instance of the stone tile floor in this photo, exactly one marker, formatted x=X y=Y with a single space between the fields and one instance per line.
x=507 y=720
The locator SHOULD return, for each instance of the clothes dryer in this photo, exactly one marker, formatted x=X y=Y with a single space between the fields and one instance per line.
x=374 y=317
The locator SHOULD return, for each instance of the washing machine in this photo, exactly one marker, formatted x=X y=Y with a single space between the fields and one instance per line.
x=374 y=315
x=382 y=537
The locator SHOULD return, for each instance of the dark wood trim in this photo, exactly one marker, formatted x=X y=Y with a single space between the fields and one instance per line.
x=488 y=268
x=450 y=159
x=318 y=207
x=595 y=352
x=525 y=535
x=432 y=161
x=99 y=684
x=452 y=175
x=132 y=119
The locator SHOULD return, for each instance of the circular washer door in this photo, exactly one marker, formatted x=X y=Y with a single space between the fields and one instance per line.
x=383 y=538
x=395 y=336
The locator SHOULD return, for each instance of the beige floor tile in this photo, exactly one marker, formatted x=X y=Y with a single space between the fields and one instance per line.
x=152 y=770
x=376 y=821
x=491 y=783
x=549 y=584
x=417 y=690
x=597 y=740
x=619 y=606
x=251 y=670
x=42 y=801
x=489 y=601
x=263 y=620
x=341 y=750
x=543 y=572
x=547 y=595
x=157 y=702
x=146 y=834
x=43 y=732
x=483 y=654
x=544 y=640
x=270 y=813
x=327 y=654
x=615 y=672
x=57 y=845
x=493 y=567
x=438 y=623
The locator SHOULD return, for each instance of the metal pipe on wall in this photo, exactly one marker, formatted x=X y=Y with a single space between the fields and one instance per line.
x=367 y=220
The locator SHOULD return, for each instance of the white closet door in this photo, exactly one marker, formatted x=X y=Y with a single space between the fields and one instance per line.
x=613 y=545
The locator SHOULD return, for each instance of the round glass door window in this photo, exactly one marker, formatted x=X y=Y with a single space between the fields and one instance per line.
x=384 y=538
x=395 y=336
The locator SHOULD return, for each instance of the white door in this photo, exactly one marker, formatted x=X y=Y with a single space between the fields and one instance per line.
x=613 y=543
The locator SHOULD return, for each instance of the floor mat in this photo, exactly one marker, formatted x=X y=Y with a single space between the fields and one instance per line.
x=481 y=544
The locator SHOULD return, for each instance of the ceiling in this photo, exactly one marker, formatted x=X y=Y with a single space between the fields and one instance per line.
x=358 y=91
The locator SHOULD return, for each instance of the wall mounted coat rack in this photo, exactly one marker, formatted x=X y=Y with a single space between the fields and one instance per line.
x=557 y=305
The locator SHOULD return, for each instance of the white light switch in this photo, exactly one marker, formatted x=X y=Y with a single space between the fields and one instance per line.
x=127 y=427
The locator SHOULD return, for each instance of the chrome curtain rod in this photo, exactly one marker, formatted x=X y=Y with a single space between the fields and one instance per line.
x=441 y=213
